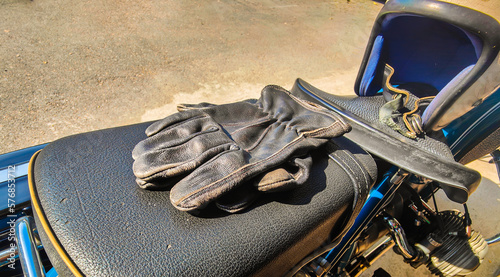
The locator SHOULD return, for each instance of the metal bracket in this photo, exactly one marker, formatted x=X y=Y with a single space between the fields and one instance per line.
x=26 y=237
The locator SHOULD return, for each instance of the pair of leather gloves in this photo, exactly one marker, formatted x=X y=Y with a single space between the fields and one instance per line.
x=229 y=153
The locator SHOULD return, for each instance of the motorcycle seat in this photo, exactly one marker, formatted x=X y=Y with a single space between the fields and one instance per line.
x=428 y=156
x=94 y=220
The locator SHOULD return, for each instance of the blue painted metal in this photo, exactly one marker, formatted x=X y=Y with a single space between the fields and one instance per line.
x=465 y=132
x=377 y=198
x=19 y=156
x=21 y=195
x=51 y=273
x=19 y=184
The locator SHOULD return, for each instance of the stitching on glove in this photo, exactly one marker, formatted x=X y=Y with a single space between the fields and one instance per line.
x=335 y=126
x=314 y=108
x=179 y=142
x=208 y=187
x=253 y=124
x=180 y=123
x=277 y=182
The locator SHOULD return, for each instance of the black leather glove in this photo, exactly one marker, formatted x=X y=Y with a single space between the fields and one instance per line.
x=287 y=176
x=292 y=173
x=258 y=135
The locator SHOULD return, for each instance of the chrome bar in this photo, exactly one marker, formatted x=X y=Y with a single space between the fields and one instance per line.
x=8 y=255
x=493 y=240
x=378 y=249
x=399 y=237
x=26 y=243
x=372 y=254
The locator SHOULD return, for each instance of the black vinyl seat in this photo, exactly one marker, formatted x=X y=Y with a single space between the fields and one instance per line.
x=94 y=220
x=427 y=156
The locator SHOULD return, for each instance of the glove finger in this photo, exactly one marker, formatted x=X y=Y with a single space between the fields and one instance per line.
x=171 y=120
x=230 y=116
x=204 y=105
x=182 y=158
x=244 y=121
x=176 y=134
x=209 y=181
x=185 y=107
x=158 y=183
x=291 y=174
x=238 y=199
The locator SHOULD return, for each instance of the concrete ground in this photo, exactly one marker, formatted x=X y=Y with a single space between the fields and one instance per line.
x=73 y=66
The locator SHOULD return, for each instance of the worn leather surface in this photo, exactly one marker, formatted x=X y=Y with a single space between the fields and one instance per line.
x=214 y=150
x=111 y=227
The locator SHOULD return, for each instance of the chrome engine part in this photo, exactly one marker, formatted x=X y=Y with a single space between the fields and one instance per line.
x=459 y=254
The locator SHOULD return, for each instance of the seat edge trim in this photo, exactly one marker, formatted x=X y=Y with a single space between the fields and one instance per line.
x=45 y=225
